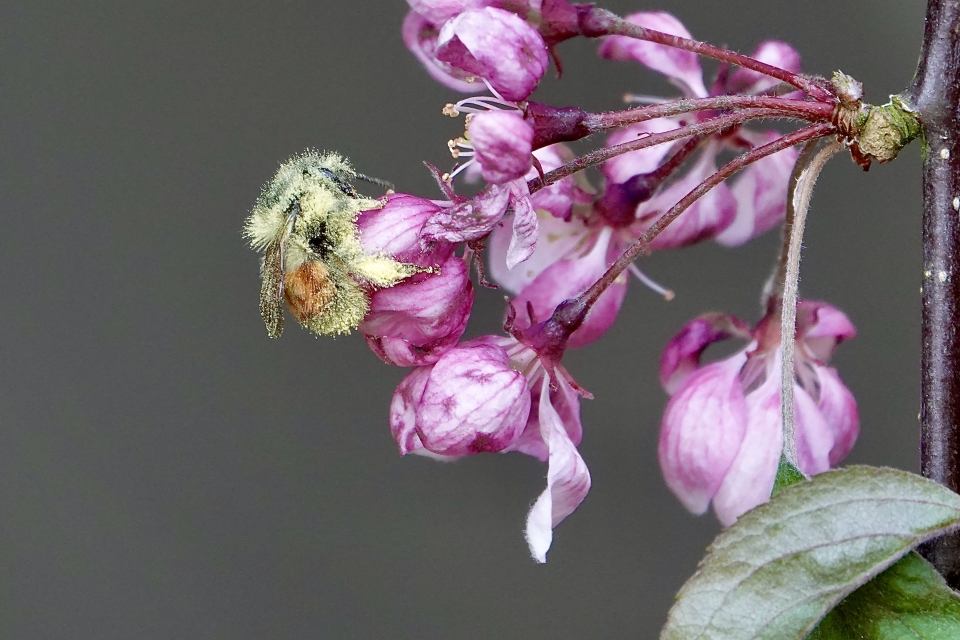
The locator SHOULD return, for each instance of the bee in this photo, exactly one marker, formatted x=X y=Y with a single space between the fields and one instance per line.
x=304 y=222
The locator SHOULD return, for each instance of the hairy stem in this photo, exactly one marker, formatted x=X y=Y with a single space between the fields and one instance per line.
x=602 y=155
x=935 y=97
x=801 y=109
x=642 y=244
x=802 y=193
x=596 y=22
x=773 y=290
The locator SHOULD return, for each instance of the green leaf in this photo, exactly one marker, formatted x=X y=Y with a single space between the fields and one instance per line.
x=908 y=601
x=784 y=565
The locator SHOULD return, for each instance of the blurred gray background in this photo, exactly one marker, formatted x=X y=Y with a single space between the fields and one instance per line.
x=167 y=471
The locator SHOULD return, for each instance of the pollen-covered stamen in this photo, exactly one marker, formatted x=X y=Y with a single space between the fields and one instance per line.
x=460 y=147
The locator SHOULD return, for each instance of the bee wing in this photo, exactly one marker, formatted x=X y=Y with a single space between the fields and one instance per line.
x=271 y=288
x=271 y=277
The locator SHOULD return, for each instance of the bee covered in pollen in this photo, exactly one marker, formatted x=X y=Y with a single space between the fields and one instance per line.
x=305 y=223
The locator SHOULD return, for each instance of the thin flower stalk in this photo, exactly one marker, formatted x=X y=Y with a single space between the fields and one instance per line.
x=588 y=297
x=811 y=111
x=596 y=23
x=712 y=125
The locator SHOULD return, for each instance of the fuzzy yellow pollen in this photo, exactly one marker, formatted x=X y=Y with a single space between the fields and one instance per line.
x=450 y=110
x=305 y=223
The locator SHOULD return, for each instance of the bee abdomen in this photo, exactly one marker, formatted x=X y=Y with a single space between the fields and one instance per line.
x=308 y=290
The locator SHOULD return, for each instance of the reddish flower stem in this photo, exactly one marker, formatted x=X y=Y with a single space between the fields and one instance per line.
x=585 y=300
x=595 y=22
x=802 y=109
x=697 y=129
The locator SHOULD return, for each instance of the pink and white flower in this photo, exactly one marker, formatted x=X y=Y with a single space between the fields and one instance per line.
x=755 y=201
x=721 y=435
x=494 y=394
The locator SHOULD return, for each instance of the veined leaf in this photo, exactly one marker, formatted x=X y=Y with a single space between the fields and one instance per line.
x=784 y=565
x=908 y=601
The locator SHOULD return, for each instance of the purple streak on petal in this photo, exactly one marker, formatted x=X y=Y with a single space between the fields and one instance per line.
x=395 y=230
x=523 y=242
x=425 y=308
x=400 y=353
x=568 y=480
x=403 y=410
x=420 y=36
x=473 y=402
x=705 y=218
x=471 y=220
x=502 y=141
x=773 y=52
x=702 y=430
x=760 y=192
x=839 y=410
x=814 y=436
x=749 y=480
x=498 y=46
x=681 y=357
x=681 y=66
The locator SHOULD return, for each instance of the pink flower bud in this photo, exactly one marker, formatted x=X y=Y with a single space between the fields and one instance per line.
x=472 y=402
x=418 y=320
x=502 y=142
x=495 y=45
x=395 y=229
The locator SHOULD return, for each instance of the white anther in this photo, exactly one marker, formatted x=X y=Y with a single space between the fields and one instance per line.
x=956 y=204
x=945 y=153
x=942 y=276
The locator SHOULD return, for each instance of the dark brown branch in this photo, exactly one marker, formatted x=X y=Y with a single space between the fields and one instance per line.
x=935 y=95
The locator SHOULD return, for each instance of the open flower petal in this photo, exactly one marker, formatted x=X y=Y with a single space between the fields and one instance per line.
x=750 y=477
x=773 y=52
x=677 y=64
x=568 y=480
x=705 y=218
x=420 y=36
x=702 y=431
x=839 y=409
x=470 y=220
x=523 y=242
x=760 y=192
x=566 y=278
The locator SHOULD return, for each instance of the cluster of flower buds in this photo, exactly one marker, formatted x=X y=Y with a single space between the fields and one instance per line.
x=563 y=248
